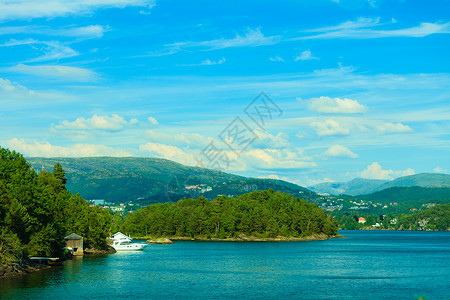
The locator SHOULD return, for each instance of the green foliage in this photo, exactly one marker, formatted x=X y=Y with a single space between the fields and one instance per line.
x=264 y=214
x=36 y=211
x=434 y=218
x=10 y=247
x=409 y=194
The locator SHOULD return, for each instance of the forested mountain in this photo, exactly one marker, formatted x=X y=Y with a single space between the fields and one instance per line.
x=261 y=214
x=36 y=211
x=362 y=186
x=154 y=180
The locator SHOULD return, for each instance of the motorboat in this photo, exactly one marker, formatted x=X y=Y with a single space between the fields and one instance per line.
x=122 y=242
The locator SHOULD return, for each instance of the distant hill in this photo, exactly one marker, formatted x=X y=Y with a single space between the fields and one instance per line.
x=362 y=186
x=357 y=186
x=153 y=180
x=422 y=179
x=418 y=194
x=434 y=218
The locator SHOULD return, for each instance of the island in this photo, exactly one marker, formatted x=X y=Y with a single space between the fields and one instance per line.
x=257 y=216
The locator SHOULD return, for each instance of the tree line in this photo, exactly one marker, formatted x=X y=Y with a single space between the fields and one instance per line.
x=262 y=214
x=36 y=211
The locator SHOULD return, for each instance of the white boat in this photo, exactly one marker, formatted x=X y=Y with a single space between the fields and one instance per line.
x=122 y=242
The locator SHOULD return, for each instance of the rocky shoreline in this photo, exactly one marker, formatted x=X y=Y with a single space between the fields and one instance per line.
x=16 y=269
x=27 y=266
x=160 y=241
x=109 y=250
x=317 y=237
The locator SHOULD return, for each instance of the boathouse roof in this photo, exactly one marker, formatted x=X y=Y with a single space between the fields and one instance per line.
x=73 y=236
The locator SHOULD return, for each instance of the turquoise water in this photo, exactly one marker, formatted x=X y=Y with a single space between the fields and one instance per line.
x=365 y=265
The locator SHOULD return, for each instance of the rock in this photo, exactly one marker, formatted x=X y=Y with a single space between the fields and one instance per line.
x=160 y=241
x=108 y=250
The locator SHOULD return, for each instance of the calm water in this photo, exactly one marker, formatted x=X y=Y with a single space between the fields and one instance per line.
x=366 y=265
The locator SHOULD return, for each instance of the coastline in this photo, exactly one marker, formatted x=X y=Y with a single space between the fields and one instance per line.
x=317 y=237
x=16 y=269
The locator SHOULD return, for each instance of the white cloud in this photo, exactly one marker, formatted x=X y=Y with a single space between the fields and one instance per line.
x=276 y=177
x=53 y=50
x=305 y=55
x=300 y=135
x=329 y=127
x=359 y=23
x=113 y=123
x=312 y=182
x=253 y=38
x=207 y=62
x=340 y=151
x=45 y=149
x=268 y=140
x=152 y=120
x=276 y=58
x=7 y=85
x=29 y=9
x=273 y=159
x=12 y=92
x=440 y=170
x=394 y=128
x=14 y=42
x=169 y=152
x=91 y=31
x=335 y=105
x=375 y=171
x=359 y=30
x=56 y=72
x=82 y=129
x=191 y=139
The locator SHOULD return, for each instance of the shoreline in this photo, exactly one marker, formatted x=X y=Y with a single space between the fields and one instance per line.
x=318 y=237
x=15 y=269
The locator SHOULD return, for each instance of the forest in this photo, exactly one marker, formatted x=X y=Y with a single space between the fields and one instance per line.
x=261 y=214
x=36 y=212
x=434 y=218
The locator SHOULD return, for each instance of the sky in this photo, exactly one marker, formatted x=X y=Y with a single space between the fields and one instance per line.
x=304 y=91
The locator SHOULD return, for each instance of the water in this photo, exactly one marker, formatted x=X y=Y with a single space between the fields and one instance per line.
x=365 y=265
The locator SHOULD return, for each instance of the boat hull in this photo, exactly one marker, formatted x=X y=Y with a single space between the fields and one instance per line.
x=130 y=247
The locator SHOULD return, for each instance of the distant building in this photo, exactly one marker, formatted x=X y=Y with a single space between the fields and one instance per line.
x=361 y=220
x=74 y=242
x=98 y=202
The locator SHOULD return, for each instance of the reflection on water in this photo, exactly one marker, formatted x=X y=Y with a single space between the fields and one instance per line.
x=366 y=265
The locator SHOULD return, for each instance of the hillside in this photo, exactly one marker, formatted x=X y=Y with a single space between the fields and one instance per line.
x=405 y=194
x=154 y=180
x=362 y=186
x=357 y=186
x=434 y=218
x=422 y=179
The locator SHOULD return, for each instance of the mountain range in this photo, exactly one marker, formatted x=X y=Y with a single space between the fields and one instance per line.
x=362 y=186
x=153 y=180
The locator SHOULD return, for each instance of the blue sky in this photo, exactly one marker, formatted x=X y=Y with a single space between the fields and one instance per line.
x=355 y=88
